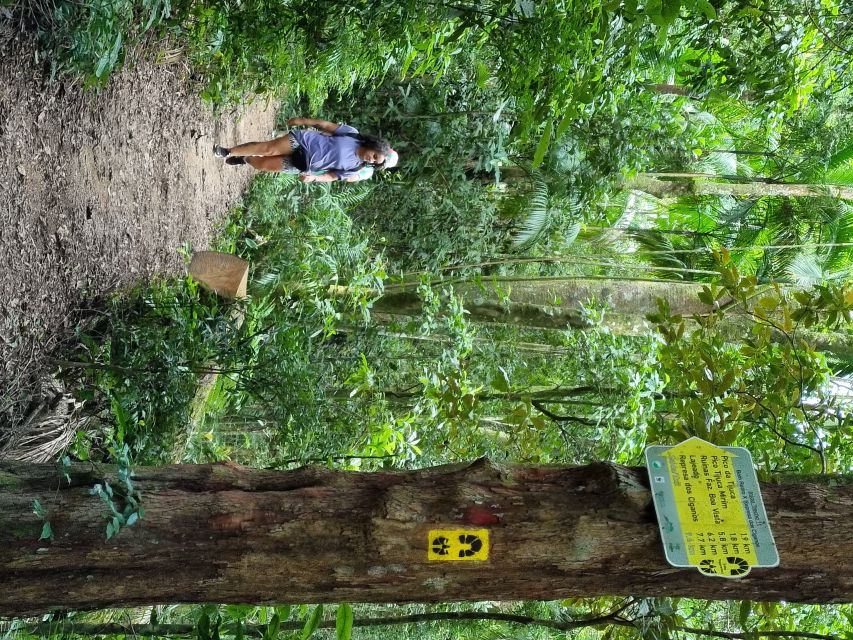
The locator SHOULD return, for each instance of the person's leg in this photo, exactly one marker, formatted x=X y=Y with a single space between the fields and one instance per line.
x=267 y=163
x=278 y=147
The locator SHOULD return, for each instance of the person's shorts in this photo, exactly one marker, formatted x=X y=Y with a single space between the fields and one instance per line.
x=287 y=165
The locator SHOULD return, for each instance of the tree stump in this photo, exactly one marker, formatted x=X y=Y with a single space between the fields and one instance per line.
x=223 y=274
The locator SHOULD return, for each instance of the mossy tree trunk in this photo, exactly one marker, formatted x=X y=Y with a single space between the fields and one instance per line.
x=223 y=533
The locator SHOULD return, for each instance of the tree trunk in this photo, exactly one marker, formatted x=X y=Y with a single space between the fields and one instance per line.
x=223 y=533
x=693 y=186
x=558 y=304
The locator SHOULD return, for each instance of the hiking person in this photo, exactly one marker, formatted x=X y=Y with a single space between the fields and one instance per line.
x=334 y=152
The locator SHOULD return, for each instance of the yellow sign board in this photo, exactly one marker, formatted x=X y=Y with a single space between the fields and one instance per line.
x=710 y=509
x=455 y=545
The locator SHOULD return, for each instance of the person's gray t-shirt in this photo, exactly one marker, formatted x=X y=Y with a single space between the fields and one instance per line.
x=331 y=153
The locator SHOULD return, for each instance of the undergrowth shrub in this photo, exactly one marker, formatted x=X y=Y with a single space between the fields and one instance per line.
x=145 y=368
x=90 y=39
x=146 y=364
x=138 y=362
x=239 y=47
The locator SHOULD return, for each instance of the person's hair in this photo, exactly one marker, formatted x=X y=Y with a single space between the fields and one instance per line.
x=380 y=145
x=377 y=144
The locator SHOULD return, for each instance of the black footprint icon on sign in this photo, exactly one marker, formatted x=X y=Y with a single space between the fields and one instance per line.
x=474 y=545
x=733 y=566
x=708 y=567
x=441 y=546
x=737 y=566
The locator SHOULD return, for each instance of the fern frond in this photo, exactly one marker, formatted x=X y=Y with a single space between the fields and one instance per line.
x=270 y=277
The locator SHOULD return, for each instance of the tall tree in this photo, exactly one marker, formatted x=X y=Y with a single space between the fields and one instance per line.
x=558 y=303
x=222 y=533
x=699 y=185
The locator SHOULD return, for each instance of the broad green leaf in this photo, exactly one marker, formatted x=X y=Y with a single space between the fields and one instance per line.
x=453 y=37
x=343 y=622
x=653 y=10
x=543 y=145
x=564 y=125
x=744 y=610
x=501 y=381
x=203 y=626
x=571 y=234
x=102 y=64
x=669 y=10
x=583 y=93
x=271 y=631
x=46 y=532
x=312 y=623
x=115 y=50
x=707 y=8
x=483 y=75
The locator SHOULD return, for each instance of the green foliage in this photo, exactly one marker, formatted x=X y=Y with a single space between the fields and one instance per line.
x=513 y=119
x=343 y=622
x=124 y=504
x=311 y=623
x=768 y=385
x=41 y=512
x=140 y=361
x=91 y=38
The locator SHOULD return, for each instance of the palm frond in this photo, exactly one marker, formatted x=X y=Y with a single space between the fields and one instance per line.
x=806 y=270
x=724 y=164
x=571 y=234
x=655 y=247
x=348 y=254
x=270 y=277
x=839 y=231
x=841 y=175
x=537 y=218
x=699 y=217
x=737 y=212
x=840 y=158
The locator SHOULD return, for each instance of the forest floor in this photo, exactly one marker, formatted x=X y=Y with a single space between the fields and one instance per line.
x=99 y=190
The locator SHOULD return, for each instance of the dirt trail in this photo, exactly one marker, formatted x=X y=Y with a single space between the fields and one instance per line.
x=99 y=190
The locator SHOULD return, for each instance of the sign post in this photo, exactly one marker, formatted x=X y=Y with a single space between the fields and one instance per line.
x=709 y=508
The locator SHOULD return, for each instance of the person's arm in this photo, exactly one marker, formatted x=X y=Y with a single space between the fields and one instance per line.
x=329 y=176
x=365 y=173
x=322 y=125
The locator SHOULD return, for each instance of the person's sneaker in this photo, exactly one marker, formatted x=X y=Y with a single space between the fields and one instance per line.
x=234 y=160
x=221 y=152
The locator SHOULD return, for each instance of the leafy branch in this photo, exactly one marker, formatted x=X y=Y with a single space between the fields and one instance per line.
x=67 y=627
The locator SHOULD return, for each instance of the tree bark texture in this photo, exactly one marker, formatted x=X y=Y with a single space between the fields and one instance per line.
x=227 y=534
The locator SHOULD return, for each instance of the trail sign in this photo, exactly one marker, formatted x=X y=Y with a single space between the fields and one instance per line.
x=458 y=544
x=709 y=508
